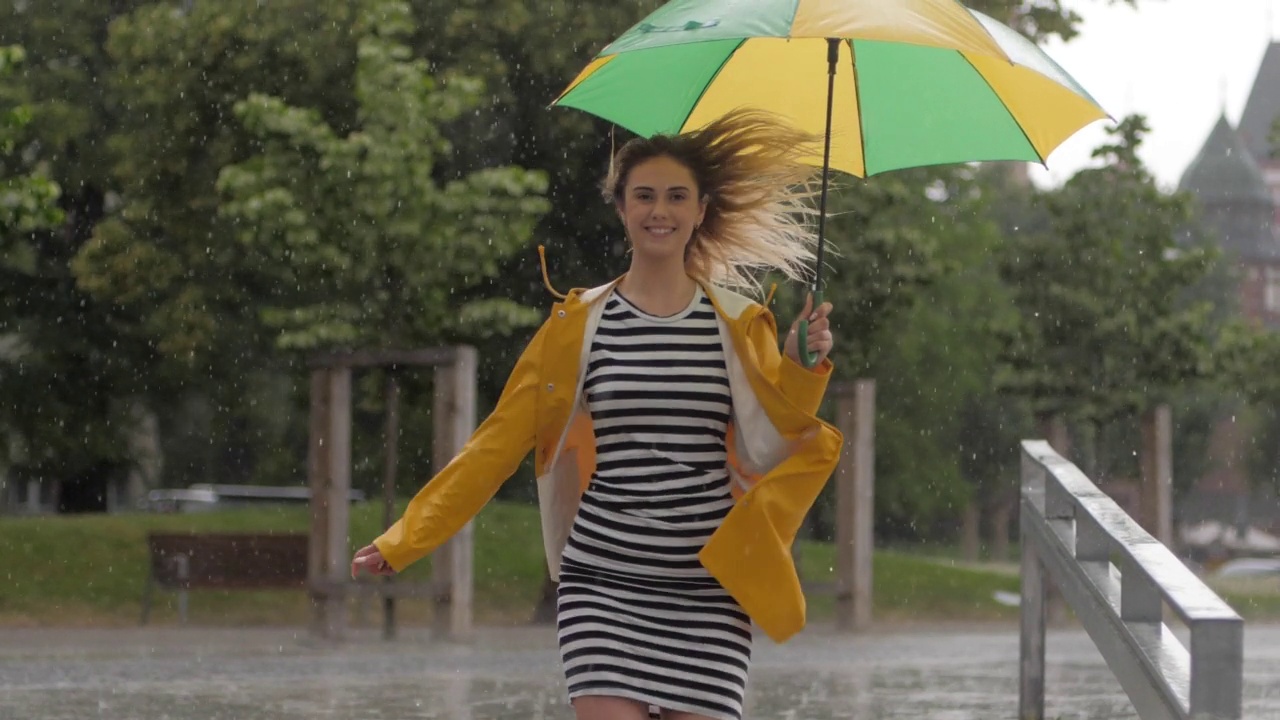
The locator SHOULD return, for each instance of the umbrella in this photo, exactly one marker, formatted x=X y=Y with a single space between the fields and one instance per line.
x=907 y=83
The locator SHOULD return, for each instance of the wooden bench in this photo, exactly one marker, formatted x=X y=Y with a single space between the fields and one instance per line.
x=223 y=561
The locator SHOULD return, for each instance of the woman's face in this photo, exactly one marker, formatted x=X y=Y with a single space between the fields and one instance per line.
x=660 y=207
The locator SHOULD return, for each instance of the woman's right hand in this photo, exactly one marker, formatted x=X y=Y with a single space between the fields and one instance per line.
x=370 y=559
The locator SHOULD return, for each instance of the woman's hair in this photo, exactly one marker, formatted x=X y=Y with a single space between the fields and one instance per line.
x=748 y=166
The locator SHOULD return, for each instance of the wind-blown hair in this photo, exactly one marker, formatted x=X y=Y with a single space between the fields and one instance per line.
x=747 y=164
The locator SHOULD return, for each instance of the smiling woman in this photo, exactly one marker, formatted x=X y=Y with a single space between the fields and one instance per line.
x=677 y=449
x=644 y=626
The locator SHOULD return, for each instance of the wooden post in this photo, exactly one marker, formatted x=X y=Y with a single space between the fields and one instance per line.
x=855 y=506
x=1001 y=517
x=1053 y=427
x=453 y=419
x=390 y=462
x=1157 y=473
x=318 y=480
x=338 y=493
x=971 y=532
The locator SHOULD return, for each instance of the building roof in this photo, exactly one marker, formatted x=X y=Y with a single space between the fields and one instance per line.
x=1225 y=170
x=1263 y=106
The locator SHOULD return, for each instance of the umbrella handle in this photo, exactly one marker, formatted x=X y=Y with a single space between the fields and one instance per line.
x=807 y=358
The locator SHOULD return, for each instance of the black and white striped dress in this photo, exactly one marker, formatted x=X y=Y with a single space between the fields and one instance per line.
x=639 y=617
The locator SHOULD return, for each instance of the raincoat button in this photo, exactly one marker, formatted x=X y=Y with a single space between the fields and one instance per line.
x=551 y=386
x=561 y=313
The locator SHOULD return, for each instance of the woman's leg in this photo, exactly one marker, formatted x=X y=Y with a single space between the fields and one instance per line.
x=605 y=707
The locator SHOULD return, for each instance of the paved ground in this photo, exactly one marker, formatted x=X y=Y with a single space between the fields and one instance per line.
x=207 y=674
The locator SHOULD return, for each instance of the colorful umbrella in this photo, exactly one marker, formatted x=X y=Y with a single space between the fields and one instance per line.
x=924 y=82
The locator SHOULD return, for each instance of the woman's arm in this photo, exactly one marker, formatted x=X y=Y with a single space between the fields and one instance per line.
x=458 y=492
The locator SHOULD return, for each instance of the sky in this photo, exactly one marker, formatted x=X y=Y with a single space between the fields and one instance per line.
x=1179 y=62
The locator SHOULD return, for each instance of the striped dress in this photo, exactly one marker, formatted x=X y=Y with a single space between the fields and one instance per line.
x=639 y=617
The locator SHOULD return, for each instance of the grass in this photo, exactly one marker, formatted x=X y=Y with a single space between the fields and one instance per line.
x=1255 y=599
x=89 y=570
x=908 y=587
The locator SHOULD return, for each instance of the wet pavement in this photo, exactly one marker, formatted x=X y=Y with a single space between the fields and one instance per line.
x=280 y=674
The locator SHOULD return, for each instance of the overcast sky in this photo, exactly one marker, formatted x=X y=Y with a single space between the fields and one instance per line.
x=1179 y=62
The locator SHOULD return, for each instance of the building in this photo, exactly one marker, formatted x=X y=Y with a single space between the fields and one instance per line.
x=1239 y=207
x=1235 y=182
x=1259 y=249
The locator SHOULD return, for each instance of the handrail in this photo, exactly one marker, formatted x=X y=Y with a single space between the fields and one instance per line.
x=1118 y=579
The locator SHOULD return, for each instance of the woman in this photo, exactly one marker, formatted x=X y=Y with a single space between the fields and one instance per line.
x=677 y=450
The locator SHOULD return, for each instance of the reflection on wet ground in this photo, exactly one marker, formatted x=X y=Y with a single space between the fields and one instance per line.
x=207 y=674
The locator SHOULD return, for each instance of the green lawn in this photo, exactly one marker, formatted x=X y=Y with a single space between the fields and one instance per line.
x=89 y=570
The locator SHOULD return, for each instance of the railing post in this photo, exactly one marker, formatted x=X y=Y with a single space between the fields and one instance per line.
x=1034 y=590
x=1217 y=669
x=1120 y=581
x=1140 y=600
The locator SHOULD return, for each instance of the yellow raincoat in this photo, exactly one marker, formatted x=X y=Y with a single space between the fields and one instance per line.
x=780 y=454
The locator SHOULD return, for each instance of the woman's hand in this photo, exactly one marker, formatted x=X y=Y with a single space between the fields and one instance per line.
x=370 y=559
x=819 y=339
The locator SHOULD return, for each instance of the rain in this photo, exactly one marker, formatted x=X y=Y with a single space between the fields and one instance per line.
x=290 y=426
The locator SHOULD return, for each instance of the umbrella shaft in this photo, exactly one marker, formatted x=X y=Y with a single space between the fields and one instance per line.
x=833 y=57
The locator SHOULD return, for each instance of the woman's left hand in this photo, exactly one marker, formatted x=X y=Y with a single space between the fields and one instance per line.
x=819 y=339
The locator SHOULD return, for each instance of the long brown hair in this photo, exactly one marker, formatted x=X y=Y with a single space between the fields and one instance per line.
x=748 y=166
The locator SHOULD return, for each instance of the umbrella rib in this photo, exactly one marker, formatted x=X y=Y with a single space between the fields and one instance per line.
x=857 y=98
x=710 y=81
x=986 y=31
x=1016 y=120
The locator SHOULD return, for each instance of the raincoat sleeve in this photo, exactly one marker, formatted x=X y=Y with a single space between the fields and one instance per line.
x=492 y=454
x=802 y=386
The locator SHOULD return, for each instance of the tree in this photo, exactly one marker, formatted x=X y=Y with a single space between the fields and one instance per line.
x=917 y=300
x=166 y=253
x=1104 y=330
x=360 y=245
x=58 y=419
x=134 y=118
x=161 y=257
x=1248 y=357
x=29 y=196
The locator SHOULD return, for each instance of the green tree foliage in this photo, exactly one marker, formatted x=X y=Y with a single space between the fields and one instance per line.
x=1104 y=328
x=57 y=414
x=1103 y=331
x=27 y=196
x=360 y=245
x=1248 y=357
x=164 y=285
x=166 y=254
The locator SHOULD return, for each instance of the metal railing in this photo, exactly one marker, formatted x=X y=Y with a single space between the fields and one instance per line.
x=1117 y=579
